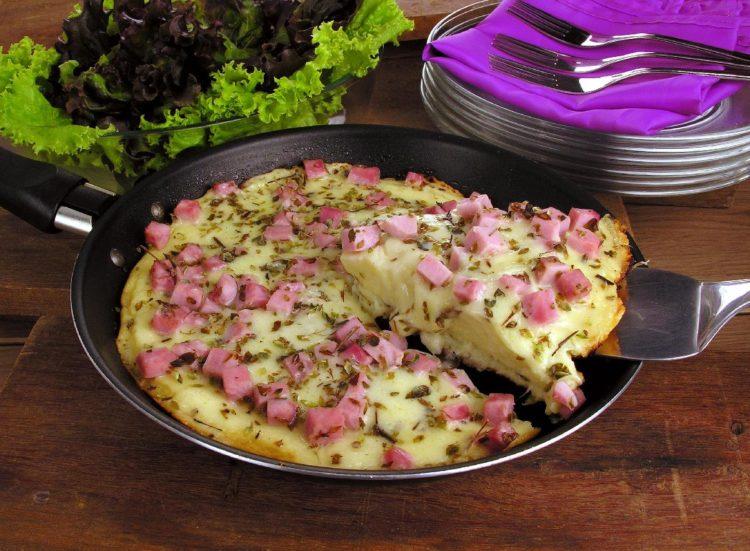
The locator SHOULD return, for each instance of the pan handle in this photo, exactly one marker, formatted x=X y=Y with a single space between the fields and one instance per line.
x=48 y=197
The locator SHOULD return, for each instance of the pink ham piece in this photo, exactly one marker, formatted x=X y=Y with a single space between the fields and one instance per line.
x=515 y=284
x=215 y=361
x=213 y=263
x=395 y=339
x=278 y=232
x=361 y=238
x=434 y=209
x=353 y=404
x=550 y=225
x=499 y=437
x=314 y=168
x=580 y=218
x=187 y=295
x=210 y=307
x=456 y=412
x=364 y=176
x=236 y=380
x=568 y=399
x=303 y=267
x=282 y=218
x=383 y=351
x=482 y=198
x=356 y=353
x=190 y=353
x=433 y=271
x=157 y=234
x=274 y=391
x=324 y=425
x=299 y=366
x=325 y=351
x=188 y=210
x=484 y=241
x=156 y=362
x=539 y=307
x=566 y=411
x=401 y=227
x=331 y=216
x=237 y=330
x=491 y=220
x=222 y=189
x=251 y=294
x=162 y=276
x=419 y=362
x=458 y=258
x=498 y=408
x=191 y=274
x=281 y=411
x=379 y=200
x=459 y=379
x=290 y=198
x=585 y=242
x=225 y=290
x=196 y=319
x=397 y=459
x=168 y=319
x=467 y=290
x=548 y=269
x=283 y=299
x=414 y=178
x=190 y=254
x=321 y=239
x=573 y=285
x=349 y=331
x=448 y=206
x=471 y=207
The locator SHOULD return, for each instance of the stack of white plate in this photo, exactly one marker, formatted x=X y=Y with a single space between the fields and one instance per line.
x=710 y=152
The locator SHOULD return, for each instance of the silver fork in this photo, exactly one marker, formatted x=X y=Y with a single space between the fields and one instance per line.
x=586 y=85
x=570 y=63
x=565 y=32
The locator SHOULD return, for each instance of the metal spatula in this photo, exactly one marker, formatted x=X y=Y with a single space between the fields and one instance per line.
x=670 y=316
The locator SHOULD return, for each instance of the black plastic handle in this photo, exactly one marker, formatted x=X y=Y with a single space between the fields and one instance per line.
x=33 y=190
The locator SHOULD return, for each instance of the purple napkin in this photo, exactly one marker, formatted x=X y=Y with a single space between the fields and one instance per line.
x=642 y=106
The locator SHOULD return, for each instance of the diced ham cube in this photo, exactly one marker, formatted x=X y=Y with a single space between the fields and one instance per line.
x=278 y=232
x=236 y=381
x=498 y=408
x=156 y=362
x=414 y=178
x=458 y=259
x=491 y=220
x=325 y=351
x=585 y=242
x=364 y=176
x=485 y=241
x=539 y=307
x=225 y=290
x=321 y=239
x=568 y=404
x=548 y=269
x=191 y=274
x=482 y=198
x=499 y=437
x=349 y=331
x=361 y=238
x=564 y=395
x=448 y=206
x=196 y=319
x=290 y=198
x=379 y=199
x=383 y=351
x=514 y=283
x=468 y=290
x=283 y=299
x=299 y=366
x=468 y=208
x=395 y=339
x=162 y=276
x=419 y=362
x=433 y=271
x=190 y=254
x=581 y=218
x=354 y=403
x=434 y=209
x=213 y=263
x=401 y=227
x=573 y=285
x=459 y=379
x=237 y=330
x=251 y=294
x=282 y=218
x=314 y=168
x=456 y=412
x=303 y=266
x=215 y=361
x=188 y=210
x=550 y=225
x=222 y=189
x=197 y=348
x=356 y=353
x=210 y=307
x=397 y=459
x=281 y=411
x=187 y=295
x=324 y=425
x=331 y=216
x=168 y=319
x=274 y=391
x=157 y=234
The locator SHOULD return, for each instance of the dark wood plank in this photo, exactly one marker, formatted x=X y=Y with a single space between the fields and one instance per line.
x=666 y=466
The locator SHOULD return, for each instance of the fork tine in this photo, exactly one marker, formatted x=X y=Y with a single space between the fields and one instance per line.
x=522 y=72
x=551 y=20
x=523 y=50
x=541 y=73
x=539 y=23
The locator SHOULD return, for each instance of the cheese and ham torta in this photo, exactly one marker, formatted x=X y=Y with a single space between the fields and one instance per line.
x=252 y=319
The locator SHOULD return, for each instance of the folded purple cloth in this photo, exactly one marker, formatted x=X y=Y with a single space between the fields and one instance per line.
x=642 y=106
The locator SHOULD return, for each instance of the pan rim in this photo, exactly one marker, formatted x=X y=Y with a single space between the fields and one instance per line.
x=152 y=410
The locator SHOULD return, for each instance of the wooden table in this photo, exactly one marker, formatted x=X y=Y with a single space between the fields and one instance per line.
x=665 y=467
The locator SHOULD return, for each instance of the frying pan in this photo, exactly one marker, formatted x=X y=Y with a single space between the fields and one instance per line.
x=50 y=198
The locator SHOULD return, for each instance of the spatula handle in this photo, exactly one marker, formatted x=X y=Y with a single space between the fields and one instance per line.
x=721 y=301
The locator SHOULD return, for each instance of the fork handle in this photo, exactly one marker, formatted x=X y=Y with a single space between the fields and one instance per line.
x=720 y=302
x=670 y=71
x=717 y=53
